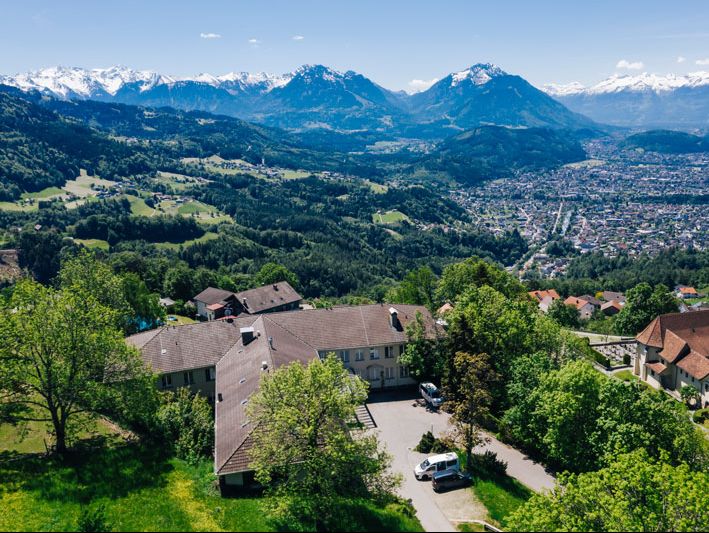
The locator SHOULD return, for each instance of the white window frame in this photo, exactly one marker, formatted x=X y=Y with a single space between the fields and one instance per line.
x=373 y=354
x=345 y=356
x=359 y=355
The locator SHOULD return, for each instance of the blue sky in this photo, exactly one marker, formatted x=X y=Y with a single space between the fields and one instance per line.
x=392 y=42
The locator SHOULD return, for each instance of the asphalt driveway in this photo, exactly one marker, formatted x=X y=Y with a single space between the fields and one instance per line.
x=401 y=419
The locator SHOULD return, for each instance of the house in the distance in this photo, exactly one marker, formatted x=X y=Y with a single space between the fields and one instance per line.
x=544 y=299
x=611 y=308
x=673 y=351
x=213 y=304
x=224 y=359
x=584 y=308
x=683 y=292
x=611 y=296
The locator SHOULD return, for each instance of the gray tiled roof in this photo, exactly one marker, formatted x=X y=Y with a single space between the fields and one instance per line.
x=178 y=348
x=267 y=297
x=210 y=296
x=238 y=375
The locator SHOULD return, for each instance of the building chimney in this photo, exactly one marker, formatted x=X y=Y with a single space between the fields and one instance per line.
x=275 y=286
x=264 y=365
x=247 y=335
x=394 y=318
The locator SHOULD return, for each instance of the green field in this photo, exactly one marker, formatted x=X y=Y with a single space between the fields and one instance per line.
x=93 y=243
x=139 y=207
x=13 y=206
x=49 y=192
x=295 y=174
x=176 y=246
x=141 y=488
x=377 y=188
x=389 y=217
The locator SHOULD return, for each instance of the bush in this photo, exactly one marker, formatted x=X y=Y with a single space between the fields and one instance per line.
x=426 y=443
x=430 y=444
x=701 y=415
x=186 y=420
x=487 y=464
x=93 y=520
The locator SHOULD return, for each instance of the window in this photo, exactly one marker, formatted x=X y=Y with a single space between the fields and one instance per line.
x=188 y=377
x=345 y=356
x=652 y=372
x=401 y=349
x=322 y=355
x=403 y=371
x=359 y=355
x=374 y=353
x=166 y=381
x=210 y=374
x=388 y=352
x=389 y=373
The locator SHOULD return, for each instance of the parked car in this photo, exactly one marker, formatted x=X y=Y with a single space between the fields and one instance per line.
x=436 y=463
x=431 y=394
x=450 y=479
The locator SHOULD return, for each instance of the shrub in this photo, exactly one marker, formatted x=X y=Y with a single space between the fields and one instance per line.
x=93 y=519
x=186 y=420
x=487 y=464
x=426 y=443
x=701 y=415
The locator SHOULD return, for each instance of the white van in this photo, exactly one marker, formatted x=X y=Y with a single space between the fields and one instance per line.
x=431 y=394
x=436 y=463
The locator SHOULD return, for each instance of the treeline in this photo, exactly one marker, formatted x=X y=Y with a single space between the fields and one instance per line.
x=590 y=273
x=163 y=228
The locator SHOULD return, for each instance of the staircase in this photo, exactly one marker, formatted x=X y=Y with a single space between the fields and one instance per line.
x=364 y=417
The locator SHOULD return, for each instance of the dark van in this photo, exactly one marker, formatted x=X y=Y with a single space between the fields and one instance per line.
x=450 y=479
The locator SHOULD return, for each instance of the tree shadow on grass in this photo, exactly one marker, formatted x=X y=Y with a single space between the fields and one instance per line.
x=92 y=470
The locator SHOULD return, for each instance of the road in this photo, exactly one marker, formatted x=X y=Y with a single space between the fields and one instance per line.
x=401 y=421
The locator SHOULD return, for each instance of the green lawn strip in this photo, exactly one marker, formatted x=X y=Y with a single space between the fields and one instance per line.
x=49 y=192
x=389 y=217
x=501 y=496
x=176 y=246
x=180 y=320
x=12 y=206
x=470 y=527
x=93 y=243
x=139 y=207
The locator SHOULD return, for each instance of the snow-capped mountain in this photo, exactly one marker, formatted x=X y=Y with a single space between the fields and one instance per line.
x=319 y=97
x=486 y=94
x=643 y=100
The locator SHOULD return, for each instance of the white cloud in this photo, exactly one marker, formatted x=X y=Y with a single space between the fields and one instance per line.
x=254 y=41
x=703 y=62
x=210 y=35
x=634 y=65
x=416 y=86
x=681 y=59
x=298 y=37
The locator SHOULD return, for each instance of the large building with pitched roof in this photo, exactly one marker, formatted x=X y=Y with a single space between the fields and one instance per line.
x=673 y=351
x=224 y=360
x=213 y=303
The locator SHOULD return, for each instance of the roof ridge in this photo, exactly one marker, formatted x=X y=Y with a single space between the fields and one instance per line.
x=287 y=331
x=364 y=325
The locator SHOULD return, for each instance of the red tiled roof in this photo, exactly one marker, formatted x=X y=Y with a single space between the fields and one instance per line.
x=695 y=365
x=540 y=295
x=578 y=303
x=657 y=367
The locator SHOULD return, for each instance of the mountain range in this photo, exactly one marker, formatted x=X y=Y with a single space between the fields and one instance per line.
x=315 y=97
x=643 y=100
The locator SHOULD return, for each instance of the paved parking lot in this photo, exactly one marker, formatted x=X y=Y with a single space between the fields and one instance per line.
x=401 y=419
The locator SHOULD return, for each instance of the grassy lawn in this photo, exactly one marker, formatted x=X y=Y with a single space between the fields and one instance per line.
x=93 y=243
x=389 y=217
x=377 y=188
x=295 y=174
x=13 y=206
x=501 y=496
x=49 y=192
x=179 y=320
x=142 y=488
x=139 y=207
x=627 y=375
x=470 y=527
x=176 y=246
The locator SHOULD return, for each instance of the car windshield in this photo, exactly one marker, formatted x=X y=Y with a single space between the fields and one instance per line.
x=435 y=394
x=425 y=464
